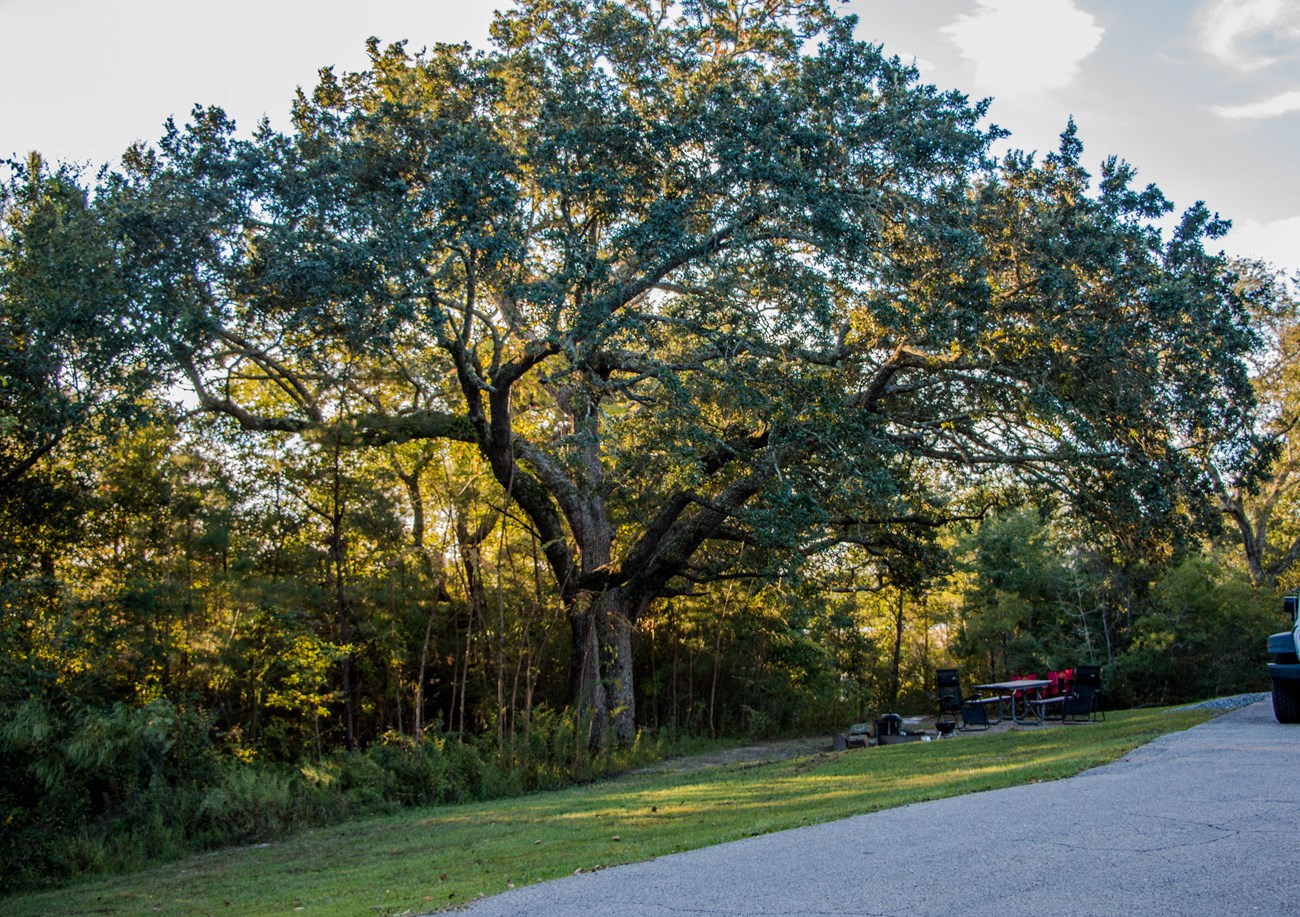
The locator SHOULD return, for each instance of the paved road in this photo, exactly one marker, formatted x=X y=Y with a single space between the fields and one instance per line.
x=1202 y=822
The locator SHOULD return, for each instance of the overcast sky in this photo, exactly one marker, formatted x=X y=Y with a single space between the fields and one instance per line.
x=1202 y=96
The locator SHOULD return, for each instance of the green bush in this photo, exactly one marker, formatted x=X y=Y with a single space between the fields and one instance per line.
x=418 y=770
x=113 y=789
x=1201 y=635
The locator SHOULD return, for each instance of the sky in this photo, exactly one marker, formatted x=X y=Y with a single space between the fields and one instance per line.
x=1201 y=96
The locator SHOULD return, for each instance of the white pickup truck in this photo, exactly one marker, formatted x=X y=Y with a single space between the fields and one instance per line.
x=1284 y=670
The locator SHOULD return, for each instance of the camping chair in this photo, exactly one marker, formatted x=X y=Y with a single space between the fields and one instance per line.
x=973 y=711
x=1023 y=695
x=949 y=696
x=1083 y=704
x=1052 y=700
x=975 y=714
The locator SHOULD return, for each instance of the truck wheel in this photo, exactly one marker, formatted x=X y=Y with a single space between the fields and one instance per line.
x=1286 y=701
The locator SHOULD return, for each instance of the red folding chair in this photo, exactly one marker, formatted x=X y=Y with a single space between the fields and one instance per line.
x=1022 y=697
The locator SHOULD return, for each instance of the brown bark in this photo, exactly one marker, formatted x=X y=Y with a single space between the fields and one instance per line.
x=431 y=566
x=469 y=545
x=895 y=673
x=601 y=675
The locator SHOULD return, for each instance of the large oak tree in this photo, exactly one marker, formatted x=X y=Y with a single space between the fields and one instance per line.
x=713 y=288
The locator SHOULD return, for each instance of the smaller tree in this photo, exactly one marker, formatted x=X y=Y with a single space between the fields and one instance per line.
x=1009 y=615
x=1196 y=636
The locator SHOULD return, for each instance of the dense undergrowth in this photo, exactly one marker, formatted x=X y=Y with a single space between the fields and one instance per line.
x=116 y=789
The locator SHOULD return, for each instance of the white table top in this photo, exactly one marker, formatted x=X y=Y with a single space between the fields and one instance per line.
x=1020 y=684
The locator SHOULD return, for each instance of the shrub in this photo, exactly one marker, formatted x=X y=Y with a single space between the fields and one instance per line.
x=113 y=789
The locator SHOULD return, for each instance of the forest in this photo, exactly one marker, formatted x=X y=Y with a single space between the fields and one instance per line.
x=660 y=371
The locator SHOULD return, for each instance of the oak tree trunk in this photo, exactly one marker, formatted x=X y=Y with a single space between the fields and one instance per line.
x=600 y=677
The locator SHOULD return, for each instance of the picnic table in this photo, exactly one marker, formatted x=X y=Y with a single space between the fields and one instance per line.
x=1020 y=687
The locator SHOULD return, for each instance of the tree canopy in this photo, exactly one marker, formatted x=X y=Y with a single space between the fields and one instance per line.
x=711 y=288
x=70 y=351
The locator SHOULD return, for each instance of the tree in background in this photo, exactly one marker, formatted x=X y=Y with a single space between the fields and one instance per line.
x=1265 y=510
x=686 y=276
x=1011 y=609
x=1034 y=596
x=71 y=352
x=1187 y=640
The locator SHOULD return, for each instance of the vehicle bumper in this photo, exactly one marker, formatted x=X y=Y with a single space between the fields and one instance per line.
x=1284 y=671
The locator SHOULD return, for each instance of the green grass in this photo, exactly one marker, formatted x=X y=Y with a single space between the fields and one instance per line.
x=435 y=858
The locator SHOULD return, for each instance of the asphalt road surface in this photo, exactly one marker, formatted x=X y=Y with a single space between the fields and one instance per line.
x=1205 y=821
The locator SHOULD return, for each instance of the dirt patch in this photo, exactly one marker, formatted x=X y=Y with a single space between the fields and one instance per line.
x=781 y=749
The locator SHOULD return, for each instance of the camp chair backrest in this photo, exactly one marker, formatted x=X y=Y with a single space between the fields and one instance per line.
x=1087 y=676
x=949 y=690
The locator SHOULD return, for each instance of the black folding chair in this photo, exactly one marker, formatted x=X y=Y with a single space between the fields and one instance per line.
x=949 y=696
x=1083 y=704
x=973 y=711
x=975 y=715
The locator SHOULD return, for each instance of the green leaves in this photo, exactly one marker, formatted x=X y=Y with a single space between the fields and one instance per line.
x=693 y=273
x=71 y=346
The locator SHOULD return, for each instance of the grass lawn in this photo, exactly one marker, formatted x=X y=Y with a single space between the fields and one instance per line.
x=427 y=859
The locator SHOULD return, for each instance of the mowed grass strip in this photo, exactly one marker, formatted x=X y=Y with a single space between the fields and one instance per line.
x=424 y=860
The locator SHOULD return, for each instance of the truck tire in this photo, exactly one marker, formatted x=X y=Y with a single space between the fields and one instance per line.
x=1286 y=701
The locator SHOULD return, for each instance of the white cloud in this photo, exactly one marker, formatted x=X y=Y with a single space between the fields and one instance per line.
x=1277 y=242
x=1025 y=47
x=110 y=73
x=1281 y=104
x=1234 y=30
